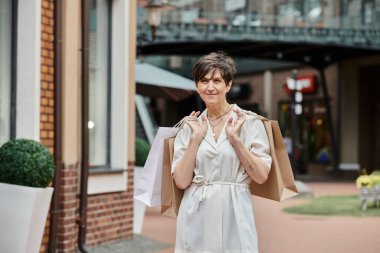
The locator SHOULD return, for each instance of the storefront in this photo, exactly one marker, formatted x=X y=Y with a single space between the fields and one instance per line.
x=313 y=144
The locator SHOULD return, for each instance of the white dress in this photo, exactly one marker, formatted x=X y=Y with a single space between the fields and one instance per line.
x=216 y=214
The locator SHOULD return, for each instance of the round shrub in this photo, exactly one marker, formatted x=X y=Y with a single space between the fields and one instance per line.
x=142 y=151
x=26 y=162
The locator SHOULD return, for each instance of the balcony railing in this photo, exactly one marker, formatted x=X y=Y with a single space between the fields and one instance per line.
x=349 y=31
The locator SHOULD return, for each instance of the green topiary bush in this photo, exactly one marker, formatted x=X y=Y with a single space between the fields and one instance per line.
x=142 y=151
x=26 y=162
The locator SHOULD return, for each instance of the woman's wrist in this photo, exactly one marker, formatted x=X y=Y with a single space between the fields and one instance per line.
x=234 y=139
x=196 y=139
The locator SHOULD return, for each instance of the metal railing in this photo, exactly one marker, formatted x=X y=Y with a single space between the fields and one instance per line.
x=350 y=31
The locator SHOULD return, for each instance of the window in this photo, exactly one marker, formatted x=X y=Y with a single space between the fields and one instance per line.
x=111 y=94
x=100 y=83
x=5 y=69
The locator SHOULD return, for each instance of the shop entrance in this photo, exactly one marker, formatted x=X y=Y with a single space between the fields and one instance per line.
x=313 y=145
x=369 y=118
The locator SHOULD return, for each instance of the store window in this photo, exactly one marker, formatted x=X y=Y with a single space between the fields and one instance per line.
x=100 y=83
x=313 y=144
x=5 y=69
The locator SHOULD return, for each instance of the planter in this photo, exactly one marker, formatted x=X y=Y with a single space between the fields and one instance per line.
x=138 y=206
x=23 y=216
x=370 y=194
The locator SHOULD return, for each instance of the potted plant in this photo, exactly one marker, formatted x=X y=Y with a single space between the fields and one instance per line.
x=142 y=148
x=26 y=170
x=369 y=186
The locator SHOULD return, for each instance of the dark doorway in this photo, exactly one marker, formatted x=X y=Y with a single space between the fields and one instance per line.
x=369 y=118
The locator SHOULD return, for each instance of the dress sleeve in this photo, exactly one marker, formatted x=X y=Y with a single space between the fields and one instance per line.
x=257 y=139
x=180 y=144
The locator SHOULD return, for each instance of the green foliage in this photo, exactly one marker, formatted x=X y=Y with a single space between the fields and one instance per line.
x=342 y=205
x=142 y=151
x=26 y=162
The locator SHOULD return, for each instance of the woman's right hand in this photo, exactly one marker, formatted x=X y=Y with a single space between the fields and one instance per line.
x=199 y=130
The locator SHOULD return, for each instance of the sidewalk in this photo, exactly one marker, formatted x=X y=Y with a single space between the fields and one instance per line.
x=284 y=233
x=278 y=232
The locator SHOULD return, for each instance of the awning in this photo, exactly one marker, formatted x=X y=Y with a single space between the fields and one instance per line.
x=153 y=81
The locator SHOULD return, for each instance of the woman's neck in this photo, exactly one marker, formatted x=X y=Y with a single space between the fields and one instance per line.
x=216 y=110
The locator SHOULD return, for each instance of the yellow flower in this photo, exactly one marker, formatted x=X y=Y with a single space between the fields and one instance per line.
x=364 y=181
x=369 y=181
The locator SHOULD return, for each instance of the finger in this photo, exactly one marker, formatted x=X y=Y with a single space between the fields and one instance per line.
x=229 y=122
x=240 y=123
x=192 y=118
x=197 y=113
x=203 y=119
x=191 y=126
x=192 y=113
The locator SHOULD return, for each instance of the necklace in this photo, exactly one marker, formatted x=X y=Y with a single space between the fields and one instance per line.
x=222 y=114
x=220 y=117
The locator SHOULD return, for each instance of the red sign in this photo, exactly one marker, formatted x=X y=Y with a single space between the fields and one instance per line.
x=304 y=84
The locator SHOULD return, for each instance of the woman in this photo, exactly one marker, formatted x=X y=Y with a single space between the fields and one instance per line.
x=211 y=155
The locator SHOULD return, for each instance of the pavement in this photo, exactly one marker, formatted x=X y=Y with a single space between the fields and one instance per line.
x=278 y=232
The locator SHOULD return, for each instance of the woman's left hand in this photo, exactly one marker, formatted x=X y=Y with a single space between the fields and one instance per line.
x=233 y=128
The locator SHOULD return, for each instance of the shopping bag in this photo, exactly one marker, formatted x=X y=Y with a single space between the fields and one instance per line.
x=171 y=195
x=149 y=185
x=280 y=184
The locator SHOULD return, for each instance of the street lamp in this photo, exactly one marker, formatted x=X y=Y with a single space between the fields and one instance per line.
x=154 y=15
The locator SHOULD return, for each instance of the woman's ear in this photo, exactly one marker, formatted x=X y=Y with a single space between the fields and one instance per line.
x=228 y=86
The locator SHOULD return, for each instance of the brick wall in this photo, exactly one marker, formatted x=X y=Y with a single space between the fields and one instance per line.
x=68 y=204
x=47 y=88
x=110 y=216
x=47 y=75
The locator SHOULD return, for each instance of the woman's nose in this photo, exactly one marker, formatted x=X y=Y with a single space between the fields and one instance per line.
x=210 y=86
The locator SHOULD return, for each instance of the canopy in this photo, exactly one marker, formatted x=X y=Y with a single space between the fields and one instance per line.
x=153 y=81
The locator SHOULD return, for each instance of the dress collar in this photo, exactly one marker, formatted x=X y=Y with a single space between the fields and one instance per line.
x=223 y=136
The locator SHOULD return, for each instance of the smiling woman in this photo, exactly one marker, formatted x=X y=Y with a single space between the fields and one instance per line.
x=211 y=155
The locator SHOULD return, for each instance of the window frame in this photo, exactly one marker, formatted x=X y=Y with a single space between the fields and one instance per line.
x=10 y=121
x=115 y=179
x=107 y=166
x=13 y=69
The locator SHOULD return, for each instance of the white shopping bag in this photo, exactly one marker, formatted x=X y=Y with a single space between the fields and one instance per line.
x=148 y=188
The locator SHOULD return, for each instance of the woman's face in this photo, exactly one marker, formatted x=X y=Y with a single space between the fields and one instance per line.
x=212 y=88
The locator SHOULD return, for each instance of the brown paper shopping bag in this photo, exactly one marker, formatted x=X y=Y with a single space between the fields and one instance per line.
x=280 y=184
x=171 y=195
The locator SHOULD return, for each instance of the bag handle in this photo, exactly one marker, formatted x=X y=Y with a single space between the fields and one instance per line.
x=180 y=124
x=255 y=115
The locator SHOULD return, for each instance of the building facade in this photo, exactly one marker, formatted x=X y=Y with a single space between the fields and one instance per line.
x=338 y=127
x=41 y=46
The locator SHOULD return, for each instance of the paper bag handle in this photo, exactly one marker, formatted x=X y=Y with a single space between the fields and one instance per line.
x=180 y=124
x=255 y=114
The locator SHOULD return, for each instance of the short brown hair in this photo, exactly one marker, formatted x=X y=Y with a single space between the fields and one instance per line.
x=213 y=61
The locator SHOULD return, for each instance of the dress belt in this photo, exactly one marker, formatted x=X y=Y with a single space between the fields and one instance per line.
x=200 y=180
